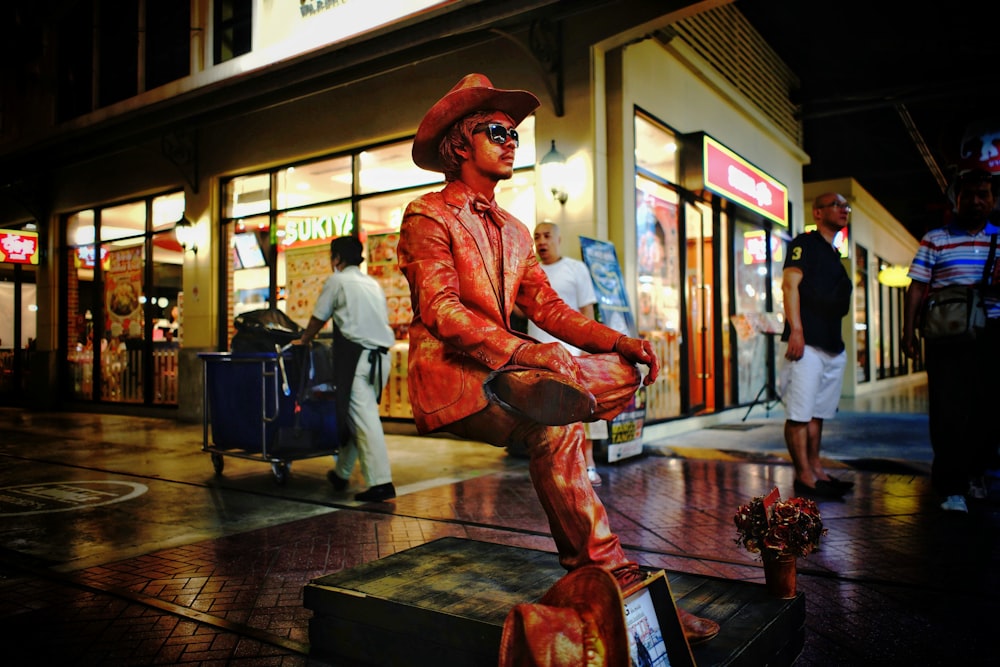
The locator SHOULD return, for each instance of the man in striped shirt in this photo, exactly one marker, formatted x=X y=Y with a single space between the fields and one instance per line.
x=958 y=371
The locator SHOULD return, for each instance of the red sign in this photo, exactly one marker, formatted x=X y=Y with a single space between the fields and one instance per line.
x=84 y=257
x=980 y=148
x=755 y=247
x=729 y=175
x=19 y=247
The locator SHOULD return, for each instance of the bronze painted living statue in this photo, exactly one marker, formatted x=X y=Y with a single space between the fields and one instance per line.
x=468 y=262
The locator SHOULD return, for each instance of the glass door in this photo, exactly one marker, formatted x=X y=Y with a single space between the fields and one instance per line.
x=17 y=329
x=699 y=312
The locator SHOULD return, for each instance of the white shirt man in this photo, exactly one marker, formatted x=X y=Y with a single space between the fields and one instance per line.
x=569 y=277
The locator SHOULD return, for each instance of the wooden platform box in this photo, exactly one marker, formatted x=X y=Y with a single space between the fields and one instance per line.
x=444 y=603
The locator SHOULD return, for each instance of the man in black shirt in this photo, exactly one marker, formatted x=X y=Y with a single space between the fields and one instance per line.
x=817 y=295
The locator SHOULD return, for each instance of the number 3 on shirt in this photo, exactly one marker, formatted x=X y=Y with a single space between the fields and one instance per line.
x=796 y=254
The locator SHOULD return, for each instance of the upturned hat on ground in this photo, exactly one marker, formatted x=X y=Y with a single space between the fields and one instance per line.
x=474 y=92
x=580 y=621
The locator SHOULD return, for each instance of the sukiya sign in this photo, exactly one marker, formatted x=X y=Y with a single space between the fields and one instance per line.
x=318 y=229
x=19 y=247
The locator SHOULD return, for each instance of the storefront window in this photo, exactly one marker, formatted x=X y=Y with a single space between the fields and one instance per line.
x=123 y=309
x=658 y=263
x=249 y=246
x=279 y=255
x=658 y=266
x=247 y=195
x=304 y=255
x=391 y=168
x=862 y=369
x=892 y=362
x=752 y=286
x=655 y=148
x=314 y=182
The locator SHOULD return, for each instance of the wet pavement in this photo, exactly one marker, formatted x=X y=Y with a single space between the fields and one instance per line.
x=119 y=544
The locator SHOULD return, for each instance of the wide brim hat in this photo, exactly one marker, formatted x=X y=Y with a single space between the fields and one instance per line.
x=473 y=93
x=580 y=621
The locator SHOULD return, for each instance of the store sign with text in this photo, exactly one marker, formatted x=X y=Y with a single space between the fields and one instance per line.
x=19 y=247
x=311 y=231
x=727 y=174
x=292 y=27
x=755 y=247
x=85 y=259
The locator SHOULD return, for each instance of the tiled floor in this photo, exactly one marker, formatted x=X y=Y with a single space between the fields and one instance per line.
x=897 y=581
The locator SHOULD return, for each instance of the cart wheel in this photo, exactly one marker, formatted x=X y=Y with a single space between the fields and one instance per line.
x=218 y=463
x=280 y=470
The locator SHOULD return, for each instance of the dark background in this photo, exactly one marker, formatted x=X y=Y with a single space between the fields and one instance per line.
x=865 y=66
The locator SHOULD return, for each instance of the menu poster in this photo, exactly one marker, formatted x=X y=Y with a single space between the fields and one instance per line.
x=384 y=268
x=306 y=269
x=122 y=291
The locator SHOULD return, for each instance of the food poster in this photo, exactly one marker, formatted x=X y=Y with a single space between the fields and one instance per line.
x=123 y=290
x=306 y=269
x=383 y=267
x=658 y=264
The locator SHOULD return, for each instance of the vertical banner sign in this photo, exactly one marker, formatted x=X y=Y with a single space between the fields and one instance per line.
x=625 y=430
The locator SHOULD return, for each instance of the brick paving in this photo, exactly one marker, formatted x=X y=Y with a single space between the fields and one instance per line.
x=896 y=581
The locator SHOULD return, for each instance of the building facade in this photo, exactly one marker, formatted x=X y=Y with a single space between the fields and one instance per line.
x=169 y=196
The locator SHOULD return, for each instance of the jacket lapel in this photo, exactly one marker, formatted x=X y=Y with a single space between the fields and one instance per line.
x=473 y=224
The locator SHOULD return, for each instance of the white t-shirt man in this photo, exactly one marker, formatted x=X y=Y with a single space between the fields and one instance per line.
x=570 y=278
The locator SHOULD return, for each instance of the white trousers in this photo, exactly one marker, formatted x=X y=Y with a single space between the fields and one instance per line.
x=367 y=440
x=810 y=387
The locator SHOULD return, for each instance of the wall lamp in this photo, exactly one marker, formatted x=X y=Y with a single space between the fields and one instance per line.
x=894 y=276
x=186 y=233
x=553 y=168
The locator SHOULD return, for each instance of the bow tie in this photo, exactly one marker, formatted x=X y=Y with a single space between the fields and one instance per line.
x=488 y=209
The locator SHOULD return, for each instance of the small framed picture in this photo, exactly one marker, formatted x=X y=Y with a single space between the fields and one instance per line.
x=655 y=635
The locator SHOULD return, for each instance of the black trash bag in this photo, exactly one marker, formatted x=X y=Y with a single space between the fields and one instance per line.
x=261 y=330
x=320 y=421
x=317 y=379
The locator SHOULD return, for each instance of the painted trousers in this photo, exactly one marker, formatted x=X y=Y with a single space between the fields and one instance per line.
x=576 y=515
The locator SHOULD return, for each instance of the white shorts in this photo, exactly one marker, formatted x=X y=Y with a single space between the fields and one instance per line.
x=810 y=387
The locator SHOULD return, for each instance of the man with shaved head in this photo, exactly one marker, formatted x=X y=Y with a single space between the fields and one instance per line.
x=817 y=296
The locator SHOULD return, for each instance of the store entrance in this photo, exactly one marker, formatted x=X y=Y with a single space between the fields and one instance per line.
x=700 y=315
x=17 y=330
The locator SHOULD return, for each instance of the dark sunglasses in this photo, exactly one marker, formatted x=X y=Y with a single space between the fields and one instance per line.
x=498 y=134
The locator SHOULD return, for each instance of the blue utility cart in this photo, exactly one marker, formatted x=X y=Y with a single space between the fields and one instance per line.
x=253 y=410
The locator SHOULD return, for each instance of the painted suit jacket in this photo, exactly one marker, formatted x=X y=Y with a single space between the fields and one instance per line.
x=462 y=303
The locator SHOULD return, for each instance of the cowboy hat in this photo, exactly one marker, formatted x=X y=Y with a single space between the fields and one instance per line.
x=473 y=93
x=580 y=621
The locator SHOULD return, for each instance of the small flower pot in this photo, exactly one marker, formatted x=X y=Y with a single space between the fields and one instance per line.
x=779 y=574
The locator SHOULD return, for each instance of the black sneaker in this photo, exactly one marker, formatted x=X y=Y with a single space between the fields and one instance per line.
x=377 y=493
